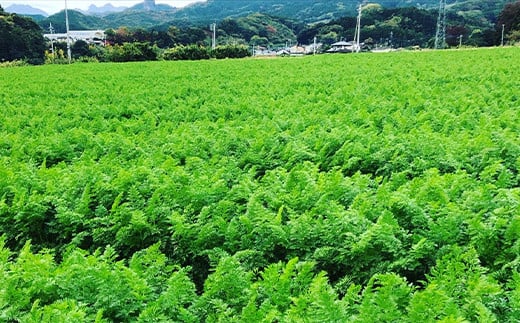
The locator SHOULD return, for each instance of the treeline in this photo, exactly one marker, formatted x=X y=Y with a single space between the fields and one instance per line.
x=142 y=51
x=126 y=45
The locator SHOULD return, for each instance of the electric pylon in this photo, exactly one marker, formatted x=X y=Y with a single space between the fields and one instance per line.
x=440 y=34
x=51 y=30
x=357 y=33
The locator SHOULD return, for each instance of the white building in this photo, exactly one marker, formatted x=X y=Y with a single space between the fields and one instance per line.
x=341 y=47
x=89 y=36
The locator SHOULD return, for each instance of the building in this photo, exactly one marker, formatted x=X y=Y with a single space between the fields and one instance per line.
x=297 y=50
x=300 y=50
x=341 y=47
x=94 y=37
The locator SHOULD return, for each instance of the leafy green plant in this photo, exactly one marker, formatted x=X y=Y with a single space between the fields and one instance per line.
x=324 y=188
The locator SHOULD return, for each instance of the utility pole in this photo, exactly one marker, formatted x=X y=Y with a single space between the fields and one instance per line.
x=69 y=55
x=213 y=28
x=502 y=41
x=440 y=34
x=460 y=41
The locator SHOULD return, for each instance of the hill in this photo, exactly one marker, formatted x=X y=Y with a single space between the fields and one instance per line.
x=138 y=17
x=477 y=13
x=260 y=29
x=20 y=39
x=104 y=10
x=25 y=10
x=145 y=15
x=306 y=11
x=470 y=18
x=77 y=21
x=310 y=11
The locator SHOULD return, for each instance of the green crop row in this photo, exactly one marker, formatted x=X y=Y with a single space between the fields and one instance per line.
x=328 y=188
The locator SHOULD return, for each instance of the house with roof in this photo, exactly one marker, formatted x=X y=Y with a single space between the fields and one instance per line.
x=341 y=47
x=299 y=50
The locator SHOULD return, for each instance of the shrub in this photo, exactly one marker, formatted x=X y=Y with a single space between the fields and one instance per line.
x=189 y=52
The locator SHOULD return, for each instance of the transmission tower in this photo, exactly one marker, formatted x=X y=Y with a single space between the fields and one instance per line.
x=357 y=33
x=440 y=34
x=356 y=46
x=51 y=30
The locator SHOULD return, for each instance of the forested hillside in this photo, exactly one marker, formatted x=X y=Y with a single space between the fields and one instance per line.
x=258 y=23
x=20 y=39
x=480 y=13
x=306 y=11
x=77 y=21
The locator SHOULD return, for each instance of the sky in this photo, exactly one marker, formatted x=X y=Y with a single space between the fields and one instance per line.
x=53 y=6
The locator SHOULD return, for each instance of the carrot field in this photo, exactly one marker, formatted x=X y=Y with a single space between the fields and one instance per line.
x=330 y=188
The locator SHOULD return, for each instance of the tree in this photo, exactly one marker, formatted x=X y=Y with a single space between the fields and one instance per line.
x=509 y=19
x=80 y=48
x=187 y=52
x=20 y=39
x=453 y=33
x=161 y=39
x=132 y=52
x=260 y=41
x=191 y=35
x=230 y=27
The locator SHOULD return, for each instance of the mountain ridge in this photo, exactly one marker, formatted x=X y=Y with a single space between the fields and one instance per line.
x=105 y=9
x=480 y=13
x=23 y=9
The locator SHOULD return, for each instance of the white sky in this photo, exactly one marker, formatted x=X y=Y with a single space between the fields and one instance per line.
x=53 y=6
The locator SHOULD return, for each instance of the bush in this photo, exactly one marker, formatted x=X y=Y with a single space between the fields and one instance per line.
x=190 y=52
x=132 y=52
x=15 y=63
x=195 y=52
x=230 y=51
x=87 y=59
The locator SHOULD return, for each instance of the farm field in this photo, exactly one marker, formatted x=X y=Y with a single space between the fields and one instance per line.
x=334 y=188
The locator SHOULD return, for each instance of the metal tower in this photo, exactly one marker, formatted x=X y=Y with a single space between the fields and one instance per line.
x=440 y=34
x=357 y=33
x=51 y=30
